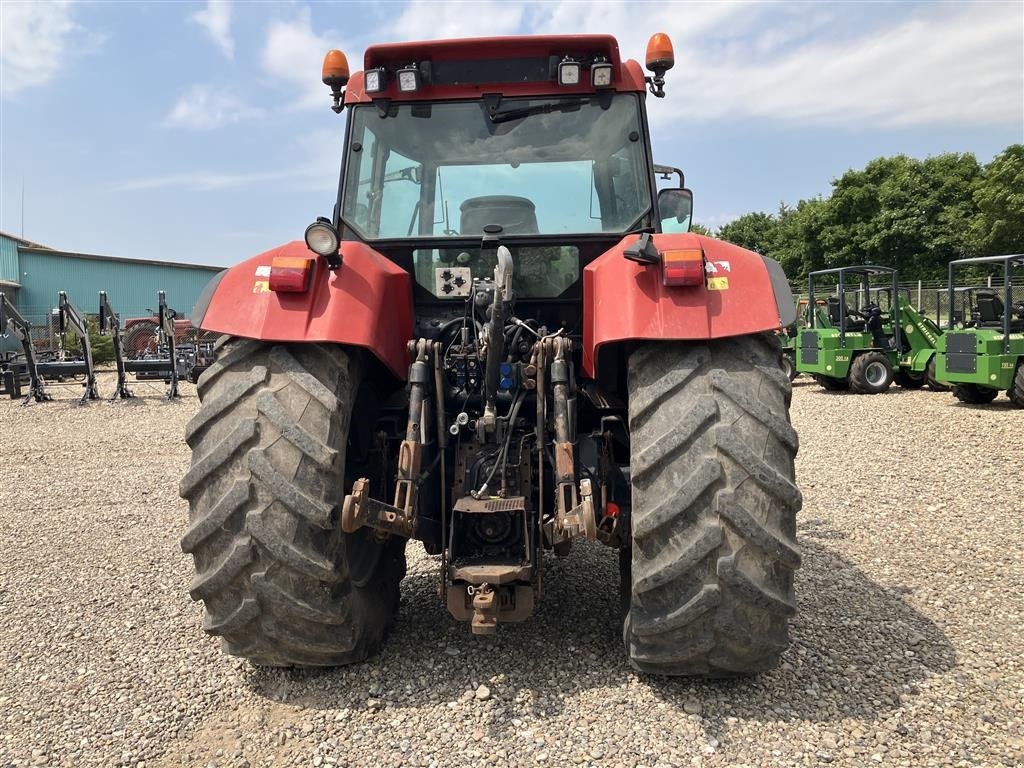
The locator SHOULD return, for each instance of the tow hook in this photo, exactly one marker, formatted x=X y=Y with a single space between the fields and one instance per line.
x=485 y=609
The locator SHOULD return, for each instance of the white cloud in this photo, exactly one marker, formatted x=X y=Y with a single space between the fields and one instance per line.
x=314 y=160
x=203 y=181
x=823 y=64
x=33 y=43
x=204 y=107
x=215 y=18
x=830 y=64
x=907 y=73
x=430 y=20
x=293 y=54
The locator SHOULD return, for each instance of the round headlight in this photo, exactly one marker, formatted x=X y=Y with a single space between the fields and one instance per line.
x=321 y=238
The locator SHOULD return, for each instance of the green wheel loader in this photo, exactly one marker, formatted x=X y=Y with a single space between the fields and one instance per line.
x=984 y=355
x=880 y=341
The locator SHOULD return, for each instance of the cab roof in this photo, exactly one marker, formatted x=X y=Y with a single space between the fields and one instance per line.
x=511 y=66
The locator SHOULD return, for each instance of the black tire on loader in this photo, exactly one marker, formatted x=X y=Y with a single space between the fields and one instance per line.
x=1016 y=390
x=908 y=380
x=871 y=373
x=973 y=394
x=831 y=383
x=789 y=365
x=933 y=383
x=282 y=585
x=714 y=508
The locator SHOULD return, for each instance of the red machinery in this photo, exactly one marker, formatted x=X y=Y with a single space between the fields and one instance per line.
x=504 y=339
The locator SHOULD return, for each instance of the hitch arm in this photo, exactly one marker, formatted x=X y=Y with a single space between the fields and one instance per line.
x=71 y=318
x=574 y=508
x=166 y=321
x=22 y=329
x=110 y=324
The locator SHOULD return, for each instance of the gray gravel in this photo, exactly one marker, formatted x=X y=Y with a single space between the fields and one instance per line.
x=908 y=648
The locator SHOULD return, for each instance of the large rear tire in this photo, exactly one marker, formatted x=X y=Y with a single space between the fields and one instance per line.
x=282 y=585
x=714 y=508
x=973 y=394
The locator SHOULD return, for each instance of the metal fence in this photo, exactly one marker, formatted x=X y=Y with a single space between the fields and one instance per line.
x=931 y=297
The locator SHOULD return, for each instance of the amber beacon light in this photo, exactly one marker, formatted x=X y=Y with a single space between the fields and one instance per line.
x=335 y=76
x=660 y=58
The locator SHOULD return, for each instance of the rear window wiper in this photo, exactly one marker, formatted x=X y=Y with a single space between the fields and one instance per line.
x=565 y=105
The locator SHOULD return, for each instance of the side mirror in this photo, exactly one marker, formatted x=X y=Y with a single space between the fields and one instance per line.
x=675 y=209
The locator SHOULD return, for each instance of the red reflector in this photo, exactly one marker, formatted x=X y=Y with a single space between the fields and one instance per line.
x=685 y=267
x=612 y=509
x=290 y=274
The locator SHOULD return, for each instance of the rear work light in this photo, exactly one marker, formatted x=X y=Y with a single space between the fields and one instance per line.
x=569 y=72
x=290 y=274
x=408 y=79
x=601 y=74
x=374 y=80
x=682 y=267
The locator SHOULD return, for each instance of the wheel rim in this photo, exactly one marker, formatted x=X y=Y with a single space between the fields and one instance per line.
x=876 y=373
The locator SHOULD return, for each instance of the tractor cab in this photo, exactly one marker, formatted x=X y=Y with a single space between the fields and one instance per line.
x=984 y=354
x=541 y=145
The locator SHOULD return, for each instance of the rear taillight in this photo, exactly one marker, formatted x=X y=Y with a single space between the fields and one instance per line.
x=683 y=267
x=290 y=274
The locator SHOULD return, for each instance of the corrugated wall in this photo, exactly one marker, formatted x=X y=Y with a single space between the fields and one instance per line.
x=9 y=259
x=131 y=285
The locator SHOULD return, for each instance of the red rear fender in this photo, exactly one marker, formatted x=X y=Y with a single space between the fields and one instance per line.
x=367 y=303
x=622 y=300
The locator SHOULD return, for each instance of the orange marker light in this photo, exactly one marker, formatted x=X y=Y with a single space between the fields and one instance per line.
x=335 y=71
x=290 y=274
x=660 y=56
x=682 y=267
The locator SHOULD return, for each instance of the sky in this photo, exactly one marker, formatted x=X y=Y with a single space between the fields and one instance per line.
x=200 y=132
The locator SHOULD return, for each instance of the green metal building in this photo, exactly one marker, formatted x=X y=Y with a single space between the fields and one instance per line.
x=31 y=275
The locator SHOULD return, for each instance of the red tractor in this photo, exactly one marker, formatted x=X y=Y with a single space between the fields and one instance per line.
x=504 y=339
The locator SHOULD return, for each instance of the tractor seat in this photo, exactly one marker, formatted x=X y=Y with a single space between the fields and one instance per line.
x=515 y=215
x=852 y=323
x=990 y=309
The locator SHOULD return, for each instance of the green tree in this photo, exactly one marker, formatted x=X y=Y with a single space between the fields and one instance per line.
x=915 y=215
x=998 y=227
x=751 y=230
x=899 y=211
x=102 y=346
x=796 y=240
x=700 y=229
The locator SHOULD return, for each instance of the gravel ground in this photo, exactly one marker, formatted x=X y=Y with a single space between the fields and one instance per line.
x=907 y=649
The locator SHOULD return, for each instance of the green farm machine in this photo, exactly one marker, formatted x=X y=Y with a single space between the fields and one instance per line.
x=787 y=336
x=983 y=354
x=881 y=340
